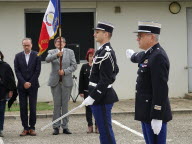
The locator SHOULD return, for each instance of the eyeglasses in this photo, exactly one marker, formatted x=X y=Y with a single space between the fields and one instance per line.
x=139 y=36
x=26 y=45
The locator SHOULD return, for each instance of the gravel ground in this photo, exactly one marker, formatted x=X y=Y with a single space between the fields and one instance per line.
x=179 y=131
x=121 y=106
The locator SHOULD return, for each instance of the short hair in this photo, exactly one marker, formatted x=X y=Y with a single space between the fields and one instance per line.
x=110 y=34
x=157 y=37
x=59 y=38
x=27 y=39
x=1 y=56
x=90 y=51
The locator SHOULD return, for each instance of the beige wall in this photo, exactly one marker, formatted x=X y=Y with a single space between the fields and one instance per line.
x=173 y=39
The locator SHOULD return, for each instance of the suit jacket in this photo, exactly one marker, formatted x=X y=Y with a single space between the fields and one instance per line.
x=152 y=100
x=69 y=65
x=27 y=73
x=103 y=73
x=84 y=78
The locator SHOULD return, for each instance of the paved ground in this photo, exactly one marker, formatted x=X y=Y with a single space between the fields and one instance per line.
x=123 y=106
x=179 y=131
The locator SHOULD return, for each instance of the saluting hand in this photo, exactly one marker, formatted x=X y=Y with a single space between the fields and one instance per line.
x=129 y=53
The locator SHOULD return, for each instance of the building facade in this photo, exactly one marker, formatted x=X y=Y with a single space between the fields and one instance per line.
x=176 y=35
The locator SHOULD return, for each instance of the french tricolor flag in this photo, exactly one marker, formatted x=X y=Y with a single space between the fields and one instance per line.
x=50 y=25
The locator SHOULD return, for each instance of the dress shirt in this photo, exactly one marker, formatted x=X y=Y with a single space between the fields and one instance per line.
x=27 y=56
x=101 y=46
x=61 y=49
x=147 y=50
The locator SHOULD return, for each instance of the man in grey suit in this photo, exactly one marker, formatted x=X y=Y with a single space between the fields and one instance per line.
x=61 y=90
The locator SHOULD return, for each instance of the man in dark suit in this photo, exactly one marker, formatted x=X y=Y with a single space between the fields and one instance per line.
x=103 y=74
x=27 y=68
x=152 y=105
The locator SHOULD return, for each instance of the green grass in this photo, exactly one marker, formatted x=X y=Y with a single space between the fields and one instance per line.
x=40 y=106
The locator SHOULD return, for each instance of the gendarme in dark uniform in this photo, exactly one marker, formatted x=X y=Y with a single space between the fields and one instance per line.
x=102 y=77
x=152 y=102
x=103 y=74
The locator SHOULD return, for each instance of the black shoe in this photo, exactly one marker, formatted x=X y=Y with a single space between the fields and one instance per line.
x=56 y=131
x=66 y=131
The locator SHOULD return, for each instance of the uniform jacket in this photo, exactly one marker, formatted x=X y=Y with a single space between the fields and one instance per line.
x=69 y=65
x=152 y=100
x=103 y=73
x=84 y=78
x=27 y=73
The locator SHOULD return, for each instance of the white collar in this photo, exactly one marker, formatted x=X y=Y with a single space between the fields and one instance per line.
x=147 y=50
x=27 y=54
x=102 y=46
x=61 y=49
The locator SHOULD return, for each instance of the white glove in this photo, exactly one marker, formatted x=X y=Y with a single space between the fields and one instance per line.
x=129 y=53
x=156 y=126
x=88 y=101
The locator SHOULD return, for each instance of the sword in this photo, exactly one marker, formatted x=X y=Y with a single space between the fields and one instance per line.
x=48 y=125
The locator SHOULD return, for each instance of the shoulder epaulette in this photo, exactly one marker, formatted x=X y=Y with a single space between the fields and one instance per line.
x=107 y=48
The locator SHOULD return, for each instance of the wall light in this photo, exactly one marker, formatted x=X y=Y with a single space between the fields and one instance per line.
x=174 y=7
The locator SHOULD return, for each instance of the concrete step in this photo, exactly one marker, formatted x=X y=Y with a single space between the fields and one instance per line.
x=188 y=96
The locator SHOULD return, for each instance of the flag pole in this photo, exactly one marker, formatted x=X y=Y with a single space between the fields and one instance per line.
x=60 y=48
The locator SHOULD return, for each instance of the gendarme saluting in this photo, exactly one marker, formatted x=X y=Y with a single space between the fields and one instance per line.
x=152 y=105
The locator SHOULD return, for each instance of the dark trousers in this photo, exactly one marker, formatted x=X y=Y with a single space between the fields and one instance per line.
x=150 y=137
x=88 y=112
x=24 y=95
x=89 y=116
x=2 y=113
x=102 y=114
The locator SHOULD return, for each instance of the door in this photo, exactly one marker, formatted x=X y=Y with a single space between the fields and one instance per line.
x=189 y=45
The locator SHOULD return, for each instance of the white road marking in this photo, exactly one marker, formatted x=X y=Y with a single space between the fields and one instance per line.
x=127 y=128
x=133 y=131
x=139 y=141
x=1 y=141
x=169 y=140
